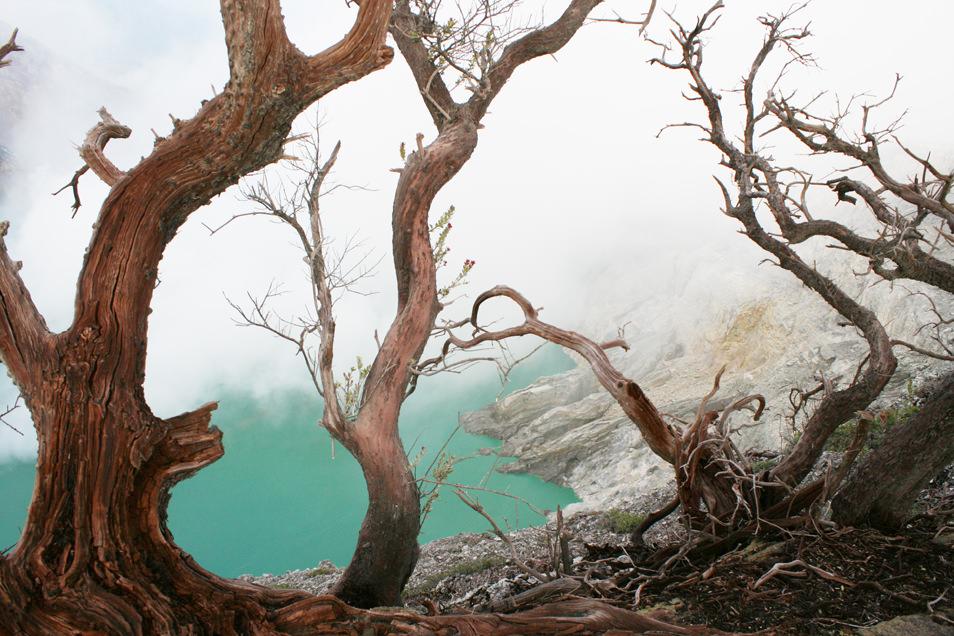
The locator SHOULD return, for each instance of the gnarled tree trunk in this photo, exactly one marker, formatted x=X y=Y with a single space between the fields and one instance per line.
x=387 y=542
x=95 y=555
x=386 y=551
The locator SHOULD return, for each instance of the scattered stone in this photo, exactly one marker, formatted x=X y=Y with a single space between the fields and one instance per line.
x=914 y=625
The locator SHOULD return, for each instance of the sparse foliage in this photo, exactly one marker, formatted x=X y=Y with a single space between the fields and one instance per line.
x=441 y=229
x=623 y=522
x=436 y=476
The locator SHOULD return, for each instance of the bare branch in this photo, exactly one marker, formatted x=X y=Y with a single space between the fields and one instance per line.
x=326 y=275
x=514 y=557
x=92 y=152
x=543 y=41
x=74 y=185
x=658 y=434
x=948 y=357
x=11 y=409
x=92 y=149
x=785 y=569
x=8 y=48
x=643 y=24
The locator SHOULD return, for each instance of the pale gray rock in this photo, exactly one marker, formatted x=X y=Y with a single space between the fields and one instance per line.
x=913 y=625
x=772 y=335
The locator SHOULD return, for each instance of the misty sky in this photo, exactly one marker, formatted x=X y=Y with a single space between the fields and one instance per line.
x=570 y=197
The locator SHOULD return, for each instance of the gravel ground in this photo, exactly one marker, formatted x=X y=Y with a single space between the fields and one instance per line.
x=476 y=569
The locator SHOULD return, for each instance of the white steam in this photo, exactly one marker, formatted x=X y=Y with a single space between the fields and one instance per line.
x=570 y=197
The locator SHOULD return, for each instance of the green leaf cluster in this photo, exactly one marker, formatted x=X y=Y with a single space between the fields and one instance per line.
x=351 y=388
x=440 y=470
x=623 y=522
x=440 y=230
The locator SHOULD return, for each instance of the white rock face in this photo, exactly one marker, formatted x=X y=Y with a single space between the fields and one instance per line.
x=772 y=334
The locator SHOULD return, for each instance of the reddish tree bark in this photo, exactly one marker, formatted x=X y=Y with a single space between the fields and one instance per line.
x=387 y=542
x=95 y=555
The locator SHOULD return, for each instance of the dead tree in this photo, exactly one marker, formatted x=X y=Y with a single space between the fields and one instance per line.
x=910 y=239
x=718 y=488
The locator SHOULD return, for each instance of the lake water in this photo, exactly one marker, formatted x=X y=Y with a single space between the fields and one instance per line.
x=278 y=501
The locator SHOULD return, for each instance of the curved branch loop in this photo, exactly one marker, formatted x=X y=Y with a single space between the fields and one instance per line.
x=658 y=434
x=96 y=139
x=529 y=312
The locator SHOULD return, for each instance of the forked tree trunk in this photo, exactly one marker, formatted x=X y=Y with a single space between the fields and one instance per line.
x=387 y=543
x=913 y=454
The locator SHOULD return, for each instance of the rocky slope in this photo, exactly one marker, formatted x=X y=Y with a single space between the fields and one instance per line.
x=773 y=336
x=480 y=573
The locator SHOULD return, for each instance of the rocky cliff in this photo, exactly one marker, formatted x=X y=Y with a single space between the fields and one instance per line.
x=772 y=334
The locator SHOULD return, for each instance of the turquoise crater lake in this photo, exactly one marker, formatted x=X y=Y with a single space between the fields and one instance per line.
x=278 y=501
